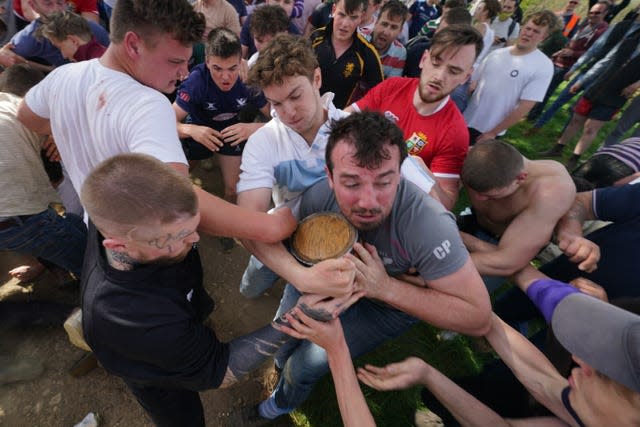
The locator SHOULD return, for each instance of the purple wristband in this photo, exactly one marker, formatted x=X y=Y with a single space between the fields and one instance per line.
x=547 y=293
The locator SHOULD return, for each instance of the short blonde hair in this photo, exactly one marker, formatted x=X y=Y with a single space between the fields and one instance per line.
x=132 y=191
x=60 y=25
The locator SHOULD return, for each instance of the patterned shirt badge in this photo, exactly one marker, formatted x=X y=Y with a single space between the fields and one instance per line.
x=348 y=69
x=416 y=142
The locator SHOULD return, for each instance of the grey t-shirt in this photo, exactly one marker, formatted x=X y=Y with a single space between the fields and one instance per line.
x=419 y=232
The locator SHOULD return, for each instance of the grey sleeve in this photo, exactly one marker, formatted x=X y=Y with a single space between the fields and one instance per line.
x=432 y=240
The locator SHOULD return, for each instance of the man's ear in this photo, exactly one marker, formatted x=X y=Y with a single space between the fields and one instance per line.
x=115 y=244
x=75 y=39
x=425 y=57
x=132 y=44
x=522 y=176
x=317 y=78
x=329 y=176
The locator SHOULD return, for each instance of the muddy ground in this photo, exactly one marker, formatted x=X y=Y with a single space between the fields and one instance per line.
x=55 y=398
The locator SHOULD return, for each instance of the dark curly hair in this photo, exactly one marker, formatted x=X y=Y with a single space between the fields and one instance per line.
x=372 y=135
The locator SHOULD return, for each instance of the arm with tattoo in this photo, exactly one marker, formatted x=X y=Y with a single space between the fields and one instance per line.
x=569 y=233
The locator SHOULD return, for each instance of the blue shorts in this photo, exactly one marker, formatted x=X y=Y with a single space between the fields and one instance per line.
x=196 y=151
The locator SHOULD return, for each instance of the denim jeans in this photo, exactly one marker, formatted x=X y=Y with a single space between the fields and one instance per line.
x=256 y=279
x=558 y=76
x=564 y=97
x=47 y=235
x=366 y=324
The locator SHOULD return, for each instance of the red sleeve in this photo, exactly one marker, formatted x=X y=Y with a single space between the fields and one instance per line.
x=373 y=99
x=452 y=146
x=81 y=6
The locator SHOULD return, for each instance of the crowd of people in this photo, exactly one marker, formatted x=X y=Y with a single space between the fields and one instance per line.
x=381 y=111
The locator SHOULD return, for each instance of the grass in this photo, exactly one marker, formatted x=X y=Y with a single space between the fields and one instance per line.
x=455 y=357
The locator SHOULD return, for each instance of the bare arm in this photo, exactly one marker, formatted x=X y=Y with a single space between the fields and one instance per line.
x=33 y=121
x=468 y=410
x=458 y=301
x=447 y=190
x=521 y=110
x=332 y=277
x=527 y=233
x=626 y=179
x=221 y=218
x=330 y=336
x=8 y=58
x=530 y=366
x=569 y=233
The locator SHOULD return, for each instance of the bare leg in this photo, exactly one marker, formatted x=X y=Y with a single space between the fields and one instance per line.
x=230 y=169
x=591 y=128
x=574 y=126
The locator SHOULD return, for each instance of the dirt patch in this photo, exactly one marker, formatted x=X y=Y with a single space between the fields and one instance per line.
x=55 y=398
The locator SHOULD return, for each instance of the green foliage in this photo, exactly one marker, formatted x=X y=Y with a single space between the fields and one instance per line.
x=454 y=357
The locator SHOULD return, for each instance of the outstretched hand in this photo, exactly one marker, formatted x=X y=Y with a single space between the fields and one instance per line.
x=395 y=376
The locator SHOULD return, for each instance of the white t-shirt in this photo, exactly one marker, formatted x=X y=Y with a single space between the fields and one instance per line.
x=503 y=80
x=501 y=30
x=487 y=41
x=97 y=113
x=252 y=60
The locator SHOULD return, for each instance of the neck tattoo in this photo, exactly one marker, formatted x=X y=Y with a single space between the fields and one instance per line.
x=120 y=260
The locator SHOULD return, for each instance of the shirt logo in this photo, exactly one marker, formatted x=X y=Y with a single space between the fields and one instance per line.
x=416 y=142
x=348 y=69
x=443 y=250
x=190 y=295
x=241 y=102
x=389 y=115
x=211 y=106
x=184 y=96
